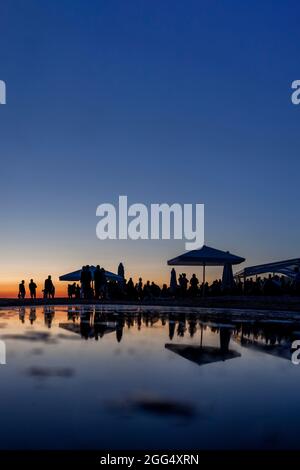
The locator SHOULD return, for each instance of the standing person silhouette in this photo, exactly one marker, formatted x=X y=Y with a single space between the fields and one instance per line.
x=97 y=281
x=32 y=289
x=103 y=284
x=83 y=281
x=48 y=288
x=22 y=291
x=88 y=282
x=86 y=279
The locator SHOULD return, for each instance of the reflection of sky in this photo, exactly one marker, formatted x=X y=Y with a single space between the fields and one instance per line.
x=170 y=103
x=59 y=390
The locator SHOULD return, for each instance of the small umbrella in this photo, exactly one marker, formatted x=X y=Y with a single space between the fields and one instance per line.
x=205 y=256
x=173 y=281
x=76 y=275
x=227 y=278
x=201 y=355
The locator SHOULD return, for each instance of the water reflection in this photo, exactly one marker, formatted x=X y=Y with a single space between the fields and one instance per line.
x=272 y=337
x=206 y=354
x=129 y=377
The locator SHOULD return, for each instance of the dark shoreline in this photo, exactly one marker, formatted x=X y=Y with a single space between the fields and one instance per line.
x=277 y=303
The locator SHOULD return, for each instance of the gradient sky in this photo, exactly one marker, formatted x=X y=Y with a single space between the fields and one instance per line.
x=164 y=101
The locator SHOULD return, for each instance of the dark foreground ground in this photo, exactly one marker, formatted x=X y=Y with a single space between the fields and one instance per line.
x=285 y=303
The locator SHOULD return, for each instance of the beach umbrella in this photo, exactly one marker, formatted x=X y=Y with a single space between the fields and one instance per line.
x=173 y=281
x=282 y=351
x=76 y=275
x=201 y=355
x=227 y=278
x=121 y=271
x=205 y=256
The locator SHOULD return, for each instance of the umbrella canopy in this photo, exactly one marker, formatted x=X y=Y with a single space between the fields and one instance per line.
x=205 y=256
x=201 y=355
x=76 y=275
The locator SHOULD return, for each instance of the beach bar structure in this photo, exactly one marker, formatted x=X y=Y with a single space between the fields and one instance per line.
x=208 y=256
x=289 y=268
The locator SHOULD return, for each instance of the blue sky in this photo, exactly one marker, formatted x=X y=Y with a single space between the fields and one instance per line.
x=164 y=101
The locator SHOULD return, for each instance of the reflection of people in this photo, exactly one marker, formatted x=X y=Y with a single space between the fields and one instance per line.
x=171 y=328
x=49 y=315
x=22 y=291
x=119 y=330
x=32 y=289
x=32 y=315
x=225 y=334
x=85 y=326
x=22 y=314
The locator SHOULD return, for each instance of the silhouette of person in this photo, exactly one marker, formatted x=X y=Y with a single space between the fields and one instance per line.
x=194 y=285
x=48 y=288
x=83 y=281
x=86 y=279
x=130 y=289
x=77 y=291
x=297 y=281
x=72 y=290
x=97 y=282
x=103 y=284
x=22 y=291
x=32 y=289
x=139 y=288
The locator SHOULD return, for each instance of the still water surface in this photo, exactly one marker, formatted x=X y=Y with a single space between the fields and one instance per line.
x=153 y=378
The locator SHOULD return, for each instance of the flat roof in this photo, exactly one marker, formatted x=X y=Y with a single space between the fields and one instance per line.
x=285 y=267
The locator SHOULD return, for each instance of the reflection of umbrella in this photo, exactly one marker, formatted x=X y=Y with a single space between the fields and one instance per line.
x=227 y=278
x=282 y=351
x=76 y=275
x=107 y=327
x=205 y=256
x=173 y=281
x=201 y=355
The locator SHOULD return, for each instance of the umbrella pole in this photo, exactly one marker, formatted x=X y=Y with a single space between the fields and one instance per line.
x=201 y=338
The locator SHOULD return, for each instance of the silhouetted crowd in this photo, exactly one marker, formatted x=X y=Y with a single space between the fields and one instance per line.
x=48 y=291
x=273 y=285
x=94 y=285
